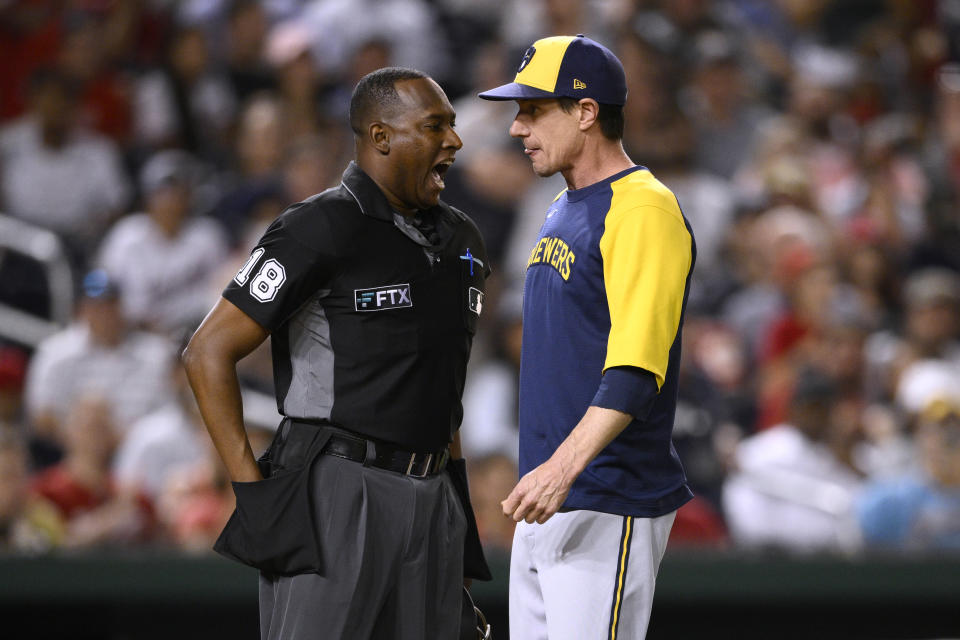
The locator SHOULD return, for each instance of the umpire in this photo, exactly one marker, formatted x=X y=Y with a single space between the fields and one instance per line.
x=357 y=515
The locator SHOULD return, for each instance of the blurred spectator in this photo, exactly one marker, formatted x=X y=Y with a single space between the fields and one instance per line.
x=409 y=26
x=941 y=158
x=698 y=524
x=31 y=37
x=491 y=479
x=197 y=499
x=99 y=354
x=311 y=165
x=791 y=488
x=82 y=488
x=160 y=259
x=655 y=124
x=812 y=295
x=246 y=34
x=57 y=174
x=872 y=275
x=481 y=123
x=715 y=407
x=490 y=392
x=921 y=512
x=298 y=81
x=162 y=442
x=28 y=524
x=258 y=156
x=187 y=103
x=816 y=102
x=369 y=55
x=925 y=381
x=523 y=22
x=892 y=182
x=104 y=94
x=931 y=329
x=769 y=252
x=727 y=122
x=13 y=369
x=196 y=504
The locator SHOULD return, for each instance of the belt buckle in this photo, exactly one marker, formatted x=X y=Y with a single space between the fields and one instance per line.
x=426 y=466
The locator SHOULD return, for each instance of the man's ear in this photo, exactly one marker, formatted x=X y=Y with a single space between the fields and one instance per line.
x=589 y=110
x=379 y=134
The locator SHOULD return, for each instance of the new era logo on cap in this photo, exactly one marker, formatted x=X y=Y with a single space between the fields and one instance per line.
x=566 y=66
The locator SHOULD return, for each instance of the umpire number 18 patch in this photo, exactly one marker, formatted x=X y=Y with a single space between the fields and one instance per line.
x=268 y=280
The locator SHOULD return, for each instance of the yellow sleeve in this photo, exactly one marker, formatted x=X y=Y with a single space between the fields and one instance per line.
x=647 y=256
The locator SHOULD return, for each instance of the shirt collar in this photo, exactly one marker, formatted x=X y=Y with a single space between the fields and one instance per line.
x=367 y=193
x=373 y=203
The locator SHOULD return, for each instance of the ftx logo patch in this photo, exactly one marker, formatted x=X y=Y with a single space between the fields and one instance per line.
x=392 y=296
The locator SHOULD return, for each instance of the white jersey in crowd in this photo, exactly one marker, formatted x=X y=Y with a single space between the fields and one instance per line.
x=791 y=492
x=163 y=279
x=71 y=190
x=157 y=447
x=133 y=377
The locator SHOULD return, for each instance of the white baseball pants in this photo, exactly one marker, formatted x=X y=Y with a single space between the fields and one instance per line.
x=585 y=575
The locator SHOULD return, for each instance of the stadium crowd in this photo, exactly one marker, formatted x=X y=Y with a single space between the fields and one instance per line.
x=814 y=145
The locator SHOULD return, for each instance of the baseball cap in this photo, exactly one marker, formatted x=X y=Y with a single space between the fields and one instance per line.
x=924 y=381
x=931 y=286
x=98 y=285
x=569 y=67
x=164 y=168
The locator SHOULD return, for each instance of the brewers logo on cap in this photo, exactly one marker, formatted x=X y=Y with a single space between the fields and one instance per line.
x=566 y=66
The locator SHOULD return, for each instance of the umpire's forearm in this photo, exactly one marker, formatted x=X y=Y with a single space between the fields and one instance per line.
x=456 y=452
x=213 y=378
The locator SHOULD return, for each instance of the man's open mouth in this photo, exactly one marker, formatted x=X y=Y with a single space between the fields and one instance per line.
x=439 y=171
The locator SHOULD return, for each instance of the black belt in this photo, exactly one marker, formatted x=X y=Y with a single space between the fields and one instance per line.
x=419 y=465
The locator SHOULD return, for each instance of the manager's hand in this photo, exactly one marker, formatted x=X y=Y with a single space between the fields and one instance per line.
x=540 y=493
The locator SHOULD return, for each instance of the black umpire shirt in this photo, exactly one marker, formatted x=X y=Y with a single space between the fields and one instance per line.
x=372 y=314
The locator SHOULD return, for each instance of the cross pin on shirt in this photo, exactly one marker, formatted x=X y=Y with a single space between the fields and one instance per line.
x=469 y=257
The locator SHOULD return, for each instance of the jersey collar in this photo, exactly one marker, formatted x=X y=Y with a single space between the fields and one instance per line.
x=373 y=203
x=575 y=195
x=368 y=195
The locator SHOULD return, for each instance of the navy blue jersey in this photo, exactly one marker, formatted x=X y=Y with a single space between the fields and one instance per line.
x=606 y=286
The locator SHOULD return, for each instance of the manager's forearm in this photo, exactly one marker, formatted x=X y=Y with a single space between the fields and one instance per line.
x=542 y=491
x=596 y=430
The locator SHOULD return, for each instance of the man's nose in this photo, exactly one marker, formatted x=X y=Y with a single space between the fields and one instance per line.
x=453 y=140
x=518 y=129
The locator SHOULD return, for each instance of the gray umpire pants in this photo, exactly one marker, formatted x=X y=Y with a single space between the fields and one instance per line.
x=392 y=549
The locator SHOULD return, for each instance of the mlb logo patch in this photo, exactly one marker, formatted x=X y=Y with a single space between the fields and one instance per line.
x=391 y=296
x=475 y=300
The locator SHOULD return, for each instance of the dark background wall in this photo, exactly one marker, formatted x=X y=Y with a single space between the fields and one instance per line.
x=715 y=596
